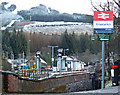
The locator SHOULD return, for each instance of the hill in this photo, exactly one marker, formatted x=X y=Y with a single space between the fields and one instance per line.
x=6 y=15
x=39 y=13
x=44 y=14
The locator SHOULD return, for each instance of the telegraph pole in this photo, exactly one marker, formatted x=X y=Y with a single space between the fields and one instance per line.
x=52 y=54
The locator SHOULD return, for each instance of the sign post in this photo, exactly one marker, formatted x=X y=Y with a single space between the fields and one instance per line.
x=102 y=86
x=103 y=24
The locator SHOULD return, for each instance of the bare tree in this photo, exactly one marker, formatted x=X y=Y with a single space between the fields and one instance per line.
x=106 y=5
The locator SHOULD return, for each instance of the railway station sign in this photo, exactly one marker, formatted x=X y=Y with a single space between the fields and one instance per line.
x=103 y=22
x=103 y=37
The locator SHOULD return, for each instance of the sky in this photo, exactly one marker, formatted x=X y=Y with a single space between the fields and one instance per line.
x=67 y=6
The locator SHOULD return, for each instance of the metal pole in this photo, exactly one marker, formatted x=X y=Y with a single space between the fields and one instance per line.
x=60 y=65
x=53 y=54
x=52 y=57
x=102 y=65
x=64 y=51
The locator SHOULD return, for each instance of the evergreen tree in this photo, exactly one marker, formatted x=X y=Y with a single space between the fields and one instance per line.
x=18 y=43
x=65 y=40
x=14 y=44
x=82 y=46
x=22 y=42
x=73 y=43
x=6 y=42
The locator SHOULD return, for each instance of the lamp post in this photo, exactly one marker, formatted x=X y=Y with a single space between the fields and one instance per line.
x=52 y=54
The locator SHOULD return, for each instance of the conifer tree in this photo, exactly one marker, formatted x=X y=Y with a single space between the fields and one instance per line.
x=6 y=42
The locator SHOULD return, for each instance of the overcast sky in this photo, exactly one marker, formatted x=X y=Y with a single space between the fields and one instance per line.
x=67 y=6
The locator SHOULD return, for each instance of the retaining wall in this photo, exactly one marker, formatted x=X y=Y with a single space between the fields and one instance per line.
x=13 y=84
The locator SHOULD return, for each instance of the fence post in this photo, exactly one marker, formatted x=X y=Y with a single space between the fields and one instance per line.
x=33 y=73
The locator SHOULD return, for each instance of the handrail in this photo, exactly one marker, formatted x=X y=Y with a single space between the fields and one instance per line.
x=33 y=73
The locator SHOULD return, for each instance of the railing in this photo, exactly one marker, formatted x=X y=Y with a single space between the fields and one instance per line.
x=33 y=73
x=41 y=74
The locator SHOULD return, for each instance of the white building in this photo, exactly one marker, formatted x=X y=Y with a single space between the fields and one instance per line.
x=80 y=65
x=70 y=63
x=17 y=63
x=67 y=63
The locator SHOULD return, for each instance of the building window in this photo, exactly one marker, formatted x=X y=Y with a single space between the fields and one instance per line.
x=81 y=66
x=31 y=63
x=69 y=64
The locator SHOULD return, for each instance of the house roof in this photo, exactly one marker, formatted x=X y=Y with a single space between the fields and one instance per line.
x=42 y=61
x=23 y=23
x=69 y=59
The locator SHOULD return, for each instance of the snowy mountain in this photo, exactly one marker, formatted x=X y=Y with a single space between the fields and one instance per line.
x=6 y=15
x=42 y=13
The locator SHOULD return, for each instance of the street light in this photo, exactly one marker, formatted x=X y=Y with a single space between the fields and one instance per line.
x=52 y=54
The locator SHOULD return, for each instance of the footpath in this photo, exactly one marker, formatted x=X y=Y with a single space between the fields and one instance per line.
x=106 y=91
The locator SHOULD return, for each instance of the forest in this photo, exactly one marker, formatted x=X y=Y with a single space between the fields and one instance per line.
x=13 y=43
x=83 y=46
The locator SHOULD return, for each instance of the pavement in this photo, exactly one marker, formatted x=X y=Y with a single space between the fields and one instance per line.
x=106 y=91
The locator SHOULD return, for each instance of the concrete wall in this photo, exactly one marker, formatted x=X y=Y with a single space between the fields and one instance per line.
x=12 y=83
